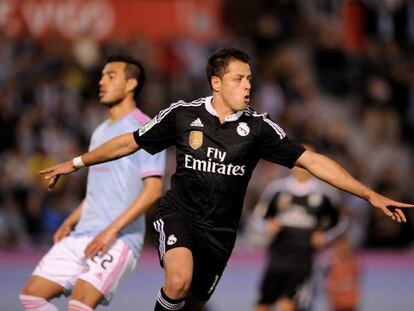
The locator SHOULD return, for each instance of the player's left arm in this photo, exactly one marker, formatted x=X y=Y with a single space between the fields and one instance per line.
x=113 y=149
x=333 y=224
x=151 y=192
x=331 y=172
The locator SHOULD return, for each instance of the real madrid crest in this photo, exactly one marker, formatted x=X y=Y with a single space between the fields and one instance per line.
x=195 y=140
x=243 y=129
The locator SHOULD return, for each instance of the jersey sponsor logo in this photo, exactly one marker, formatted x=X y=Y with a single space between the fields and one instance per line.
x=297 y=217
x=197 y=122
x=213 y=167
x=172 y=239
x=195 y=140
x=147 y=126
x=243 y=129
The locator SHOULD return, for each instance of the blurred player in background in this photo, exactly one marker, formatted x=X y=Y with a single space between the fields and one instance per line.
x=301 y=214
x=108 y=226
x=219 y=140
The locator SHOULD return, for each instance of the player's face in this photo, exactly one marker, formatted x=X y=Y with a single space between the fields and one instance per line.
x=235 y=85
x=112 y=86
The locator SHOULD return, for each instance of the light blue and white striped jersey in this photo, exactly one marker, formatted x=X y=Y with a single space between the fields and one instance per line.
x=114 y=185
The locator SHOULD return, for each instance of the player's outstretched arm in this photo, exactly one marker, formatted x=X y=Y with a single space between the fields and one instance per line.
x=113 y=149
x=331 y=172
x=151 y=192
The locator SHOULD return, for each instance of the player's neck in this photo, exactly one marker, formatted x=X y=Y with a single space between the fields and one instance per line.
x=122 y=109
x=302 y=179
x=221 y=108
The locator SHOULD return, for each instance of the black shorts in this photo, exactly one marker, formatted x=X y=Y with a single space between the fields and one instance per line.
x=283 y=284
x=174 y=231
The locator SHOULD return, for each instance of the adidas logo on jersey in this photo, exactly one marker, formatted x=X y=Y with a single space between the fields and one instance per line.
x=197 y=122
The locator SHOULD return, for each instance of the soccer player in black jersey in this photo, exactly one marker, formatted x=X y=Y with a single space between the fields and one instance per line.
x=219 y=140
x=301 y=214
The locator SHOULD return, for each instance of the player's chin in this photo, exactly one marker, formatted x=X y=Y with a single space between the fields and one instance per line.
x=243 y=105
x=240 y=106
x=105 y=101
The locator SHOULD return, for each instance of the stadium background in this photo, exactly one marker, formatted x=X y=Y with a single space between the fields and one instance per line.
x=335 y=73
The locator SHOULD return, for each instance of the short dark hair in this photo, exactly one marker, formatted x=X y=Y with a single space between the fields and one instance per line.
x=219 y=60
x=133 y=70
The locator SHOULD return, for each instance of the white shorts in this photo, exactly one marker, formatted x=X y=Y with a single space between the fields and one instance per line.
x=65 y=263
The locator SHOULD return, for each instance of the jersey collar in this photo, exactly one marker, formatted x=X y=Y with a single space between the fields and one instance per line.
x=212 y=111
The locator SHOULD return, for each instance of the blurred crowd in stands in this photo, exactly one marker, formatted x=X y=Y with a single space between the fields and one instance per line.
x=336 y=74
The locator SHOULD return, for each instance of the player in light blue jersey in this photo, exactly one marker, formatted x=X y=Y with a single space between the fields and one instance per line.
x=98 y=245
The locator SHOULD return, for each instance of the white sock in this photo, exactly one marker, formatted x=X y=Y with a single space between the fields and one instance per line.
x=33 y=303
x=75 y=305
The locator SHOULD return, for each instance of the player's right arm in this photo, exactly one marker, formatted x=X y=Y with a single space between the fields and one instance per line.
x=67 y=226
x=113 y=149
x=331 y=172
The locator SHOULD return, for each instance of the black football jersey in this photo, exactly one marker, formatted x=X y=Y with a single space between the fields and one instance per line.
x=300 y=208
x=214 y=161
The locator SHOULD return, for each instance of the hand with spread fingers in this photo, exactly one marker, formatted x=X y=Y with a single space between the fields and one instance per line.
x=390 y=207
x=53 y=173
x=101 y=243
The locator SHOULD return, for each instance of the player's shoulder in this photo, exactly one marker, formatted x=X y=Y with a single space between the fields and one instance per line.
x=255 y=116
x=182 y=105
x=263 y=120
x=137 y=118
x=250 y=112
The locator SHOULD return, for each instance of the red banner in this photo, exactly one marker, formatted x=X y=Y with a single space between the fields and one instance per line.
x=105 y=19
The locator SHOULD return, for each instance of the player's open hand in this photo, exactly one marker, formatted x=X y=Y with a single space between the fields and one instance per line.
x=62 y=232
x=53 y=173
x=390 y=207
x=101 y=243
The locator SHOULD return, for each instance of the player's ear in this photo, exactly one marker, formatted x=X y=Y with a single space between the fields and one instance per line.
x=216 y=83
x=131 y=85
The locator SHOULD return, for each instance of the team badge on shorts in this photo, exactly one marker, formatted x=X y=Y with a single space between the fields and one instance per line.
x=171 y=240
x=243 y=129
x=195 y=140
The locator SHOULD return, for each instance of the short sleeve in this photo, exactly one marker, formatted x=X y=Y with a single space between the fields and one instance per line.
x=276 y=147
x=152 y=165
x=159 y=133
